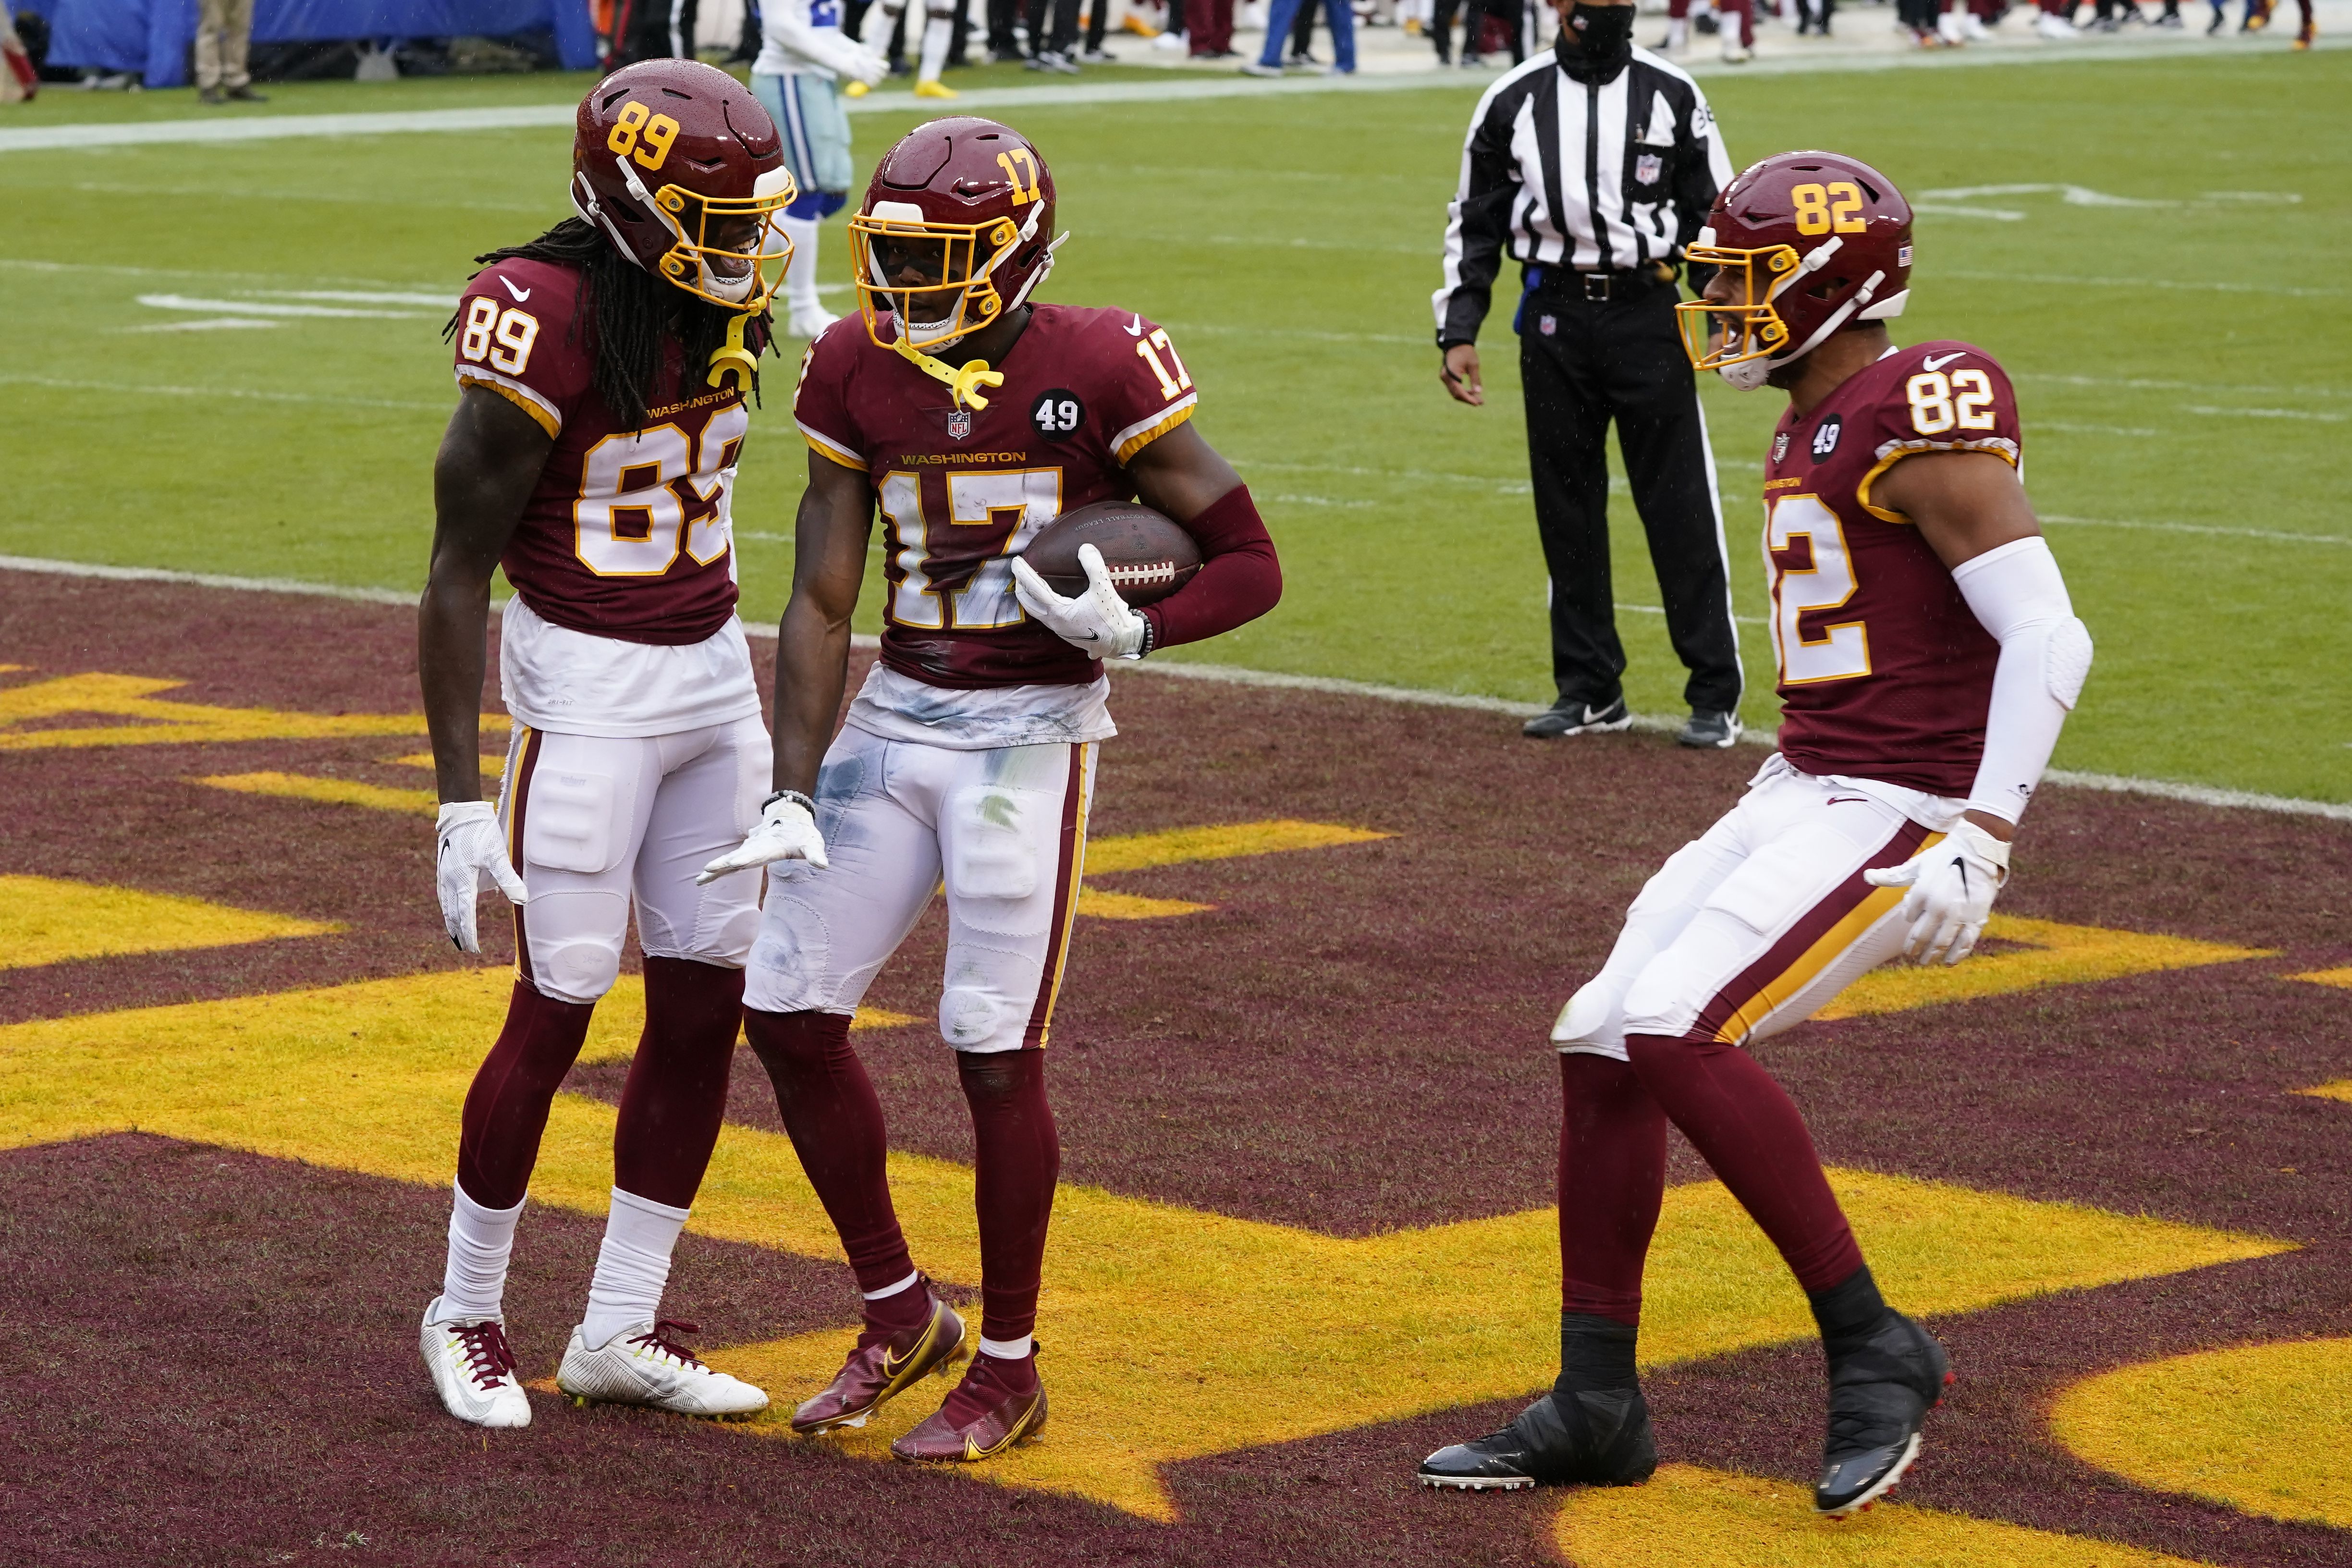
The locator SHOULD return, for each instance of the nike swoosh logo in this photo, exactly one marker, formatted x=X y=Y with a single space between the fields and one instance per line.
x=522 y=294
x=1933 y=361
x=1135 y=327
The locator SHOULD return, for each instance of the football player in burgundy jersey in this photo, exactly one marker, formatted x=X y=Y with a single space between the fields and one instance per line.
x=601 y=371
x=968 y=758
x=1928 y=655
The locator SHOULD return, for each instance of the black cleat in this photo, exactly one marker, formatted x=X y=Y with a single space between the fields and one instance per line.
x=1710 y=731
x=1882 y=1386
x=1574 y=716
x=1589 y=1438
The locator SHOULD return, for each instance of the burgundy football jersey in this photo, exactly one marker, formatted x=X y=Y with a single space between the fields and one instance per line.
x=628 y=534
x=963 y=491
x=1885 y=671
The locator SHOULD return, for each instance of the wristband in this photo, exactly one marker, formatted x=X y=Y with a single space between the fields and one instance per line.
x=792 y=795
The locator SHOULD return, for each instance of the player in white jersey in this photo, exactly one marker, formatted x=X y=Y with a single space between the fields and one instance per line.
x=804 y=60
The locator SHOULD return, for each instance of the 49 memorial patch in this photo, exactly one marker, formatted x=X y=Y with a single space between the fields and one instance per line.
x=1304 y=1235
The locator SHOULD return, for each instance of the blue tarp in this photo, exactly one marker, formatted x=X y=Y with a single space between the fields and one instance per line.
x=152 y=37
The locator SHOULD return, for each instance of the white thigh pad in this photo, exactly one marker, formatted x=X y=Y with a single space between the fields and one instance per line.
x=574 y=820
x=997 y=840
x=1783 y=878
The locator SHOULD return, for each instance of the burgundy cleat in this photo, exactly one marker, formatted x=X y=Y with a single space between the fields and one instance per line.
x=886 y=1364
x=997 y=1404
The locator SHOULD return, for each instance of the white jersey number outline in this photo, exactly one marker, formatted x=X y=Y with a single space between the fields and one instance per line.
x=1842 y=651
x=628 y=518
x=981 y=499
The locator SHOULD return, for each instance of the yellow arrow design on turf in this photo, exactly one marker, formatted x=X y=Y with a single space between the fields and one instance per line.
x=44 y=919
x=2053 y=954
x=157 y=722
x=1171 y=1333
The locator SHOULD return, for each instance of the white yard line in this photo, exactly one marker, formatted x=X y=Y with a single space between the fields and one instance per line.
x=117 y=389
x=1184 y=85
x=2280 y=536
x=1226 y=674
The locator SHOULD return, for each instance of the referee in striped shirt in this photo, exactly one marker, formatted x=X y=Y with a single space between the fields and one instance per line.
x=1592 y=166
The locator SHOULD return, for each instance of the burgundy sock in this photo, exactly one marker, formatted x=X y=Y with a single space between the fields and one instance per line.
x=506 y=1109
x=1745 y=1127
x=676 y=1090
x=1612 y=1177
x=982 y=1380
x=835 y=1119
x=1020 y=1157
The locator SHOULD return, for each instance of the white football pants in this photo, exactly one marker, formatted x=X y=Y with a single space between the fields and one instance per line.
x=1004 y=831
x=1752 y=927
x=593 y=822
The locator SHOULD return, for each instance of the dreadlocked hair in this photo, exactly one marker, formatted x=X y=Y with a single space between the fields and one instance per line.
x=634 y=313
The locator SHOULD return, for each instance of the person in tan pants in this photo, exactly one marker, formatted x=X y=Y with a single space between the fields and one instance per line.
x=223 y=29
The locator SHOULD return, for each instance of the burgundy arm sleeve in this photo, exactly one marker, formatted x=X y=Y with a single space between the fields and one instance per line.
x=1239 y=579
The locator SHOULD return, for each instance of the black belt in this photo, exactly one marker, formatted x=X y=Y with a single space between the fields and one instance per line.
x=1599 y=286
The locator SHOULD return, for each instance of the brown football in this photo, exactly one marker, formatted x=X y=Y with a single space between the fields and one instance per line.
x=1149 y=557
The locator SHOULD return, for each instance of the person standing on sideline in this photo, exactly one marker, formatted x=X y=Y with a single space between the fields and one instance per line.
x=804 y=57
x=1592 y=166
x=1338 y=14
x=224 y=28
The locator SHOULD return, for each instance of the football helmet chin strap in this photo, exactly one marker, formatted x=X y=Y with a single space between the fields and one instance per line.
x=965 y=385
x=1748 y=375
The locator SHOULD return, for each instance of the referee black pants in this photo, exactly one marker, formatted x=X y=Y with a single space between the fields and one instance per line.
x=1585 y=363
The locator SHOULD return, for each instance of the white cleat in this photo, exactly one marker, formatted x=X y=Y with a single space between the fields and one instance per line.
x=808 y=321
x=2057 y=27
x=640 y=1366
x=473 y=1370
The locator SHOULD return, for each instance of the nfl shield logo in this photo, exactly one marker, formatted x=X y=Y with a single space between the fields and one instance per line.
x=1779 y=446
x=1547 y=325
x=1646 y=169
x=959 y=424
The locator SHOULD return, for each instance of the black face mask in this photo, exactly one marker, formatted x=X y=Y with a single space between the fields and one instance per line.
x=1598 y=38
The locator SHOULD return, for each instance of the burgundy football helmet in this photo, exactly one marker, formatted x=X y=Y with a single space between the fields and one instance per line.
x=718 y=167
x=956 y=230
x=1813 y=241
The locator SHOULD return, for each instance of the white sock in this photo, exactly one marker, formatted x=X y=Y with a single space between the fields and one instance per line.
x=630 y=1268
x=474 y=1282
x=937 y=33
x=892 y=1289
x=800 y=284
x=1009 y=1349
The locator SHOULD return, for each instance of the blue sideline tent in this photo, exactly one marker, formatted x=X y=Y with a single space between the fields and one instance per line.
x=152 y=37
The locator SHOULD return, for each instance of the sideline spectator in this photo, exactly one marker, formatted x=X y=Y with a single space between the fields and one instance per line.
x=1058 y=50
x=223 y=30
x=1341 y=16
x=1099 y=21
x=1440 y=31
x=1209 y=25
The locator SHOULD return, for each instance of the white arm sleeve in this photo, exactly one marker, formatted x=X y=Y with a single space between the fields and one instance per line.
x=2045 y=653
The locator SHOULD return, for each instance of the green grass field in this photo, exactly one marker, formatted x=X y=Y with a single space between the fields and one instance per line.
x=2175 y=326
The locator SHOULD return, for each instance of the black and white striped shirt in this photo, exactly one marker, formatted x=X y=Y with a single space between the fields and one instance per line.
x=1596 y=176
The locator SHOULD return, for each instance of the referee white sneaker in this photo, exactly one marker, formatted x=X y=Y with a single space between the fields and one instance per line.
x=642 y=1365
x=473 y=1370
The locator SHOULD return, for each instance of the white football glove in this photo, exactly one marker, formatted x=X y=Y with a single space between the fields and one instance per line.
x=786 y=831
x=853 y=59
x=472 y=856
x=1098 y=621
x=1952 y=889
